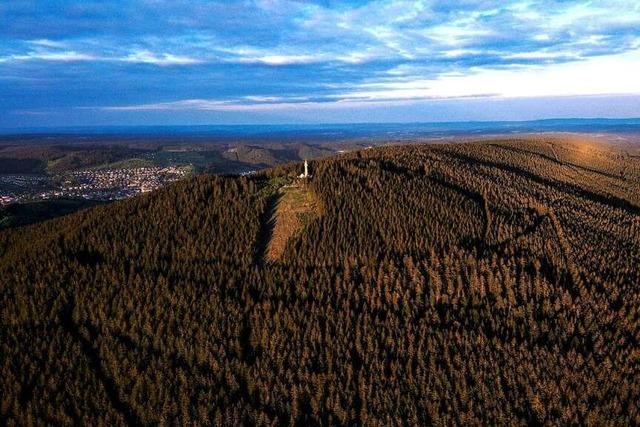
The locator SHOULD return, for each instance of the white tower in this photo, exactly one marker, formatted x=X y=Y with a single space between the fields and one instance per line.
x=306 y=170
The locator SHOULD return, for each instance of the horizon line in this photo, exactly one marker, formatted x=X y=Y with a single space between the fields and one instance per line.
x=54 y=129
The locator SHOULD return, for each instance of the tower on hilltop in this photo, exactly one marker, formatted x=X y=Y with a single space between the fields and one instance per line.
x=305 y=174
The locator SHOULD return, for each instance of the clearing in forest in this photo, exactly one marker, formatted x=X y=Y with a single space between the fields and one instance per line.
x=297 y=206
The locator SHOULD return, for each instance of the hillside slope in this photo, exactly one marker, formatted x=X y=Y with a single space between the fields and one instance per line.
x=479 y=283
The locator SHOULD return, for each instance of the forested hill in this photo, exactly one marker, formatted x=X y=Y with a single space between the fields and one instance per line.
x=480 y=283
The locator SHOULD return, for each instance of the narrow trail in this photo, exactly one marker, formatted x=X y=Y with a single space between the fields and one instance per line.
x=555 y=155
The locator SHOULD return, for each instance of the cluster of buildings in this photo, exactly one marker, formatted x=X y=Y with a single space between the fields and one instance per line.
x=106 y=184
x=14 y=187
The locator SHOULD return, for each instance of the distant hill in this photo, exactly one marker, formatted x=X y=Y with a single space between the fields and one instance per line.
x=483 y=283
x=274 y=154
x=44 y=158
x=252 y=155
x=24 y=156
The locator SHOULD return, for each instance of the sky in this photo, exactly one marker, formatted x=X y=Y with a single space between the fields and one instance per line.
x=154 y=62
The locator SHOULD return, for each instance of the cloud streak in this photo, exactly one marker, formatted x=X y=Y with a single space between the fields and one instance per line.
x=135 y=57
x=565 y=79
x=147 y=57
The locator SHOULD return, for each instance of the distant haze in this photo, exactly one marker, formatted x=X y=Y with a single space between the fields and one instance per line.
x=335 y=131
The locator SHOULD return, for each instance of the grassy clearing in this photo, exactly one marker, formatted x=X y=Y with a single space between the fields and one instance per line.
x=272 y=186
x=297 y=207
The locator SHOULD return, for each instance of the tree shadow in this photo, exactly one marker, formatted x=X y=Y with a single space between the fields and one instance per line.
x=265 y=232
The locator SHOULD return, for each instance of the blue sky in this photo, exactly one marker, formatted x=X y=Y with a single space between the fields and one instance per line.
x=91 y=62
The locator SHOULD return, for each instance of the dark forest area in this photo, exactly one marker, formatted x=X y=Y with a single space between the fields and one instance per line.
x=485 y=283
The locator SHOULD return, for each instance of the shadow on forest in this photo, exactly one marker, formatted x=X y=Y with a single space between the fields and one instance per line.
x=565 y=187
x=88 y=257
x=547 y=157
x=439 y=179
x=93 y=357
x=267 y=224
x=476 y=197
x=524 y=233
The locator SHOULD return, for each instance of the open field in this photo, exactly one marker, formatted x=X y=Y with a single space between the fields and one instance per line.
x=296 y=207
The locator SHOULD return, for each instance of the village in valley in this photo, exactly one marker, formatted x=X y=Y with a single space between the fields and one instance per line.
x=92 y=184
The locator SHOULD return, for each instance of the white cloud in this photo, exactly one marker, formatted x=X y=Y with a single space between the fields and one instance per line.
x=274 y=99
x=604 y=75
x=293 y=56
x=60 y=56
x=187 y=104
x=47 y=51
x=458 y=53
x=460 y=32
x=542 y=37
x=543 y=55
x=147 y=57
x=63 y=56
x=48 y=43
x=610 y=75
x=281 y=59
x=214 y=105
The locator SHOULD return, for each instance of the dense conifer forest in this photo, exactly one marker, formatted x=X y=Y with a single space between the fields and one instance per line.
x=486 y=283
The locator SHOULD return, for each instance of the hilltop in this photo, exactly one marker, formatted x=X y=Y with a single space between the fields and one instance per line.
x=491 y=282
